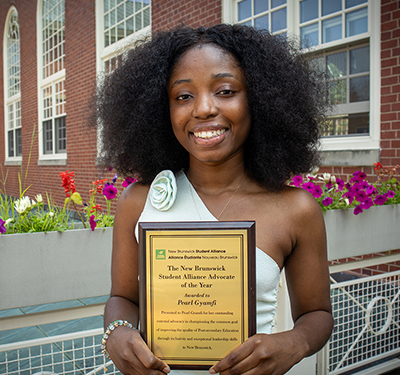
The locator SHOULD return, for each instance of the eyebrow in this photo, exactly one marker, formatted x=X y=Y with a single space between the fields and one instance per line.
x=219 y=75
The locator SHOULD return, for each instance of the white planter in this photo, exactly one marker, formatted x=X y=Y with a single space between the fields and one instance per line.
x=376 y=229
x=40 y=268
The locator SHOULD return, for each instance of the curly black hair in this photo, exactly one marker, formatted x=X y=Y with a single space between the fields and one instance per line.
x=287 y=101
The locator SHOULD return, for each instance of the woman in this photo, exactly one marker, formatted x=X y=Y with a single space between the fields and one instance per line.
x=227 y=114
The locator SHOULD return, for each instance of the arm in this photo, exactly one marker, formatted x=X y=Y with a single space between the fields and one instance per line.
x=309 y=291
x=125 y=345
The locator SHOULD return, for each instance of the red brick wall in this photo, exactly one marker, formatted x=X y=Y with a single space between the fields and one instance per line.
x=390 y=82
x=167 y=14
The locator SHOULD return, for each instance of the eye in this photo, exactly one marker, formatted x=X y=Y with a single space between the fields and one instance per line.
x=226 y=92
x=183 y=97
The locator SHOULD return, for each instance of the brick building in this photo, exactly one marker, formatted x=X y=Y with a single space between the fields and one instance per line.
x=53 y=50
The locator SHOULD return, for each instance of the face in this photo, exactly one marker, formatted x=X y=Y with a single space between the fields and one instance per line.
x=208 y=104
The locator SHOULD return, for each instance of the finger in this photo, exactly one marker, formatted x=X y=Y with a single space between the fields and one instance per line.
x=148 y=359
x=233 y=358
x=242 y=367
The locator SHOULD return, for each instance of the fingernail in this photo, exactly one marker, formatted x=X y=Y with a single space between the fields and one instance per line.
x=212 y=371
x=166 y=369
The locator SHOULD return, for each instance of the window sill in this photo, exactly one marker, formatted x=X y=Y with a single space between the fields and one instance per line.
x=357 y=158
x=13 y=162
x=51 y=162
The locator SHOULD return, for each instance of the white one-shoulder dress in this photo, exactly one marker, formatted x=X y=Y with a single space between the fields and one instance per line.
x=173 y=198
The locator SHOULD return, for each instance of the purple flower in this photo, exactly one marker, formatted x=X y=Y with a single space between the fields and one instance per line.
x=357 y=210
x=361 y=196
x=128 y=181
x=92 y=222
x=340 y=183
x=327 y=201
x=367 y=204
x=110 y=191
x=308 y=186
x=316 y=191
x=390 y=194
x=380 y=200
x=297 y=180
x=115 y=178
x=3 y=229
x=329 y=185
x=370 y=190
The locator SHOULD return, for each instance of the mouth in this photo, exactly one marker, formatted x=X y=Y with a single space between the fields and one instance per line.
x=209 y=134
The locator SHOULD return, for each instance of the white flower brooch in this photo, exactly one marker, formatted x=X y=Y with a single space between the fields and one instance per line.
x=163 y=190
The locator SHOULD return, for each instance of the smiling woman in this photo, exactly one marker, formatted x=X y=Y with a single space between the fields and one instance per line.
x=212 y=122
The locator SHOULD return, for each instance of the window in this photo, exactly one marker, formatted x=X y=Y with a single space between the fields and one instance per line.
x=325 y=21
x=263 y=14
x=120 y=24
x=13 y=89
x=52 y=114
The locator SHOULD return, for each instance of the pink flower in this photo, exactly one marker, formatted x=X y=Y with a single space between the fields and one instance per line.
x=390 y=194
x=370 y=190
x=357 y=210
x=92 y=222
x=361 y=196
x=327 y=201
x=316 y=191
x=340 y=183
x=308 y=186
x=367 y=204
x=380 y=200
x=128 y=181
x=297 y=180
x=110 y=191
x=3 y=229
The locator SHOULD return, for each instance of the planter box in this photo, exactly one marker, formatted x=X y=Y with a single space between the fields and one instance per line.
x=374 y=230
x=40 y=268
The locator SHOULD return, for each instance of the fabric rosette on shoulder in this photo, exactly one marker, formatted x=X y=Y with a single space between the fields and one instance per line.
x=163 y=190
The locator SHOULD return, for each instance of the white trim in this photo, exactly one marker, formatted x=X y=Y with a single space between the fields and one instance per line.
x=9 y=100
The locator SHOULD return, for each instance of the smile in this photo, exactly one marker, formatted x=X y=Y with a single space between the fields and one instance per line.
x=209 y=134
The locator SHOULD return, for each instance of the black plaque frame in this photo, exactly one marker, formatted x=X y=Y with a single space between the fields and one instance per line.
x=248 y=226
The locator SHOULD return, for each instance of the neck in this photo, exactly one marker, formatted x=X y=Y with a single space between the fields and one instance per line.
x=213 y=177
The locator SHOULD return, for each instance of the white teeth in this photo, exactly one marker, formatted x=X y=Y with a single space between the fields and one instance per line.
x=209 y=134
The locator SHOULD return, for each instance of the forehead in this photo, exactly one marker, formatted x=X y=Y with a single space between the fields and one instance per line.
x=205 y=57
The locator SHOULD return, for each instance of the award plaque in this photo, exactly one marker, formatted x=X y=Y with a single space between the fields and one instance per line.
x=197 y=289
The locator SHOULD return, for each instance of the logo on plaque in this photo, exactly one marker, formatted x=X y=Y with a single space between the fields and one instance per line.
x=160 y=254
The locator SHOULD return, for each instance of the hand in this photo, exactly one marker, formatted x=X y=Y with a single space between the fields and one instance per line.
x=263 y=354
x=131 y=355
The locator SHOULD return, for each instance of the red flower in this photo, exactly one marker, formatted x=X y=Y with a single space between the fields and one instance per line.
x=97 y=207
x=378 y=165
x=68 y=183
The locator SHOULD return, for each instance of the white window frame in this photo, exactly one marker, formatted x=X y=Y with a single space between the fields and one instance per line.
x=10 y=100
x=118 y=48
x=53 y=158
x=336 y=144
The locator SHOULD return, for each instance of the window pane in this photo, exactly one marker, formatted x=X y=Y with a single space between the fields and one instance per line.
x=261 y=22
x=359 y=60
x=352 y=3
x=146 y=17
x=359 y=123
x=331 y=6
x=332 y=29
x=336 y=64
x=120 y=31
x=138 y=21
x=129 y=26
x=11 y=143
x=129 y=8
x=138 y=5
x=47 y=137
x=276 y=3
x=359 y=89
x=309 y=35
x=338 y=92
x=18 y=139
x=244 y=8
x=308 y=10
x=260 y=6
x=120 y=13
x=357 y=22
x=61 y=135
x=278 y=20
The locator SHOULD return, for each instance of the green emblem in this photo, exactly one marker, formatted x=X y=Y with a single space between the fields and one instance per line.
x=160 y=254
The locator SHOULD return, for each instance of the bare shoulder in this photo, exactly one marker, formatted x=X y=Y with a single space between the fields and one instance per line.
x=301 y=201
x=131 y=202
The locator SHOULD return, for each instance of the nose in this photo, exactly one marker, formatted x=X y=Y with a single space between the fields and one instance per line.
x=204 y=106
